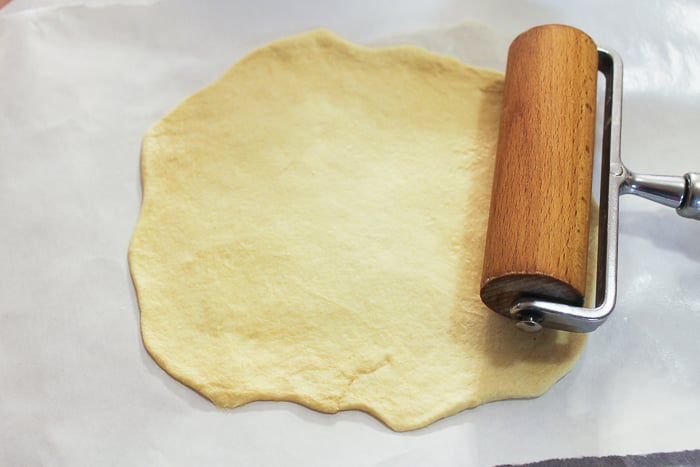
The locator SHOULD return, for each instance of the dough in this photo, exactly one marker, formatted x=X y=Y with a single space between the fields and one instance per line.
x=312 y=230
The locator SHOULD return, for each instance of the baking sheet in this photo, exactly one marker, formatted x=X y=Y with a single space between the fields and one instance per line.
x=79 y=87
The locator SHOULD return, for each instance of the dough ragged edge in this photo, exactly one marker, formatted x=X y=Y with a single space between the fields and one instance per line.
x=237 y=306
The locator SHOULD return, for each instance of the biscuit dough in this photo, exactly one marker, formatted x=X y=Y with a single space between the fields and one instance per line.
x=312 y=230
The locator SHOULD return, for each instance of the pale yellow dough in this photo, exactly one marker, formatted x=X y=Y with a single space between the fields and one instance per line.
x=312 y=230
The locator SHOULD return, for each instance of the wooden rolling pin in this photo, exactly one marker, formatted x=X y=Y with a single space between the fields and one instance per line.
x=537 y=240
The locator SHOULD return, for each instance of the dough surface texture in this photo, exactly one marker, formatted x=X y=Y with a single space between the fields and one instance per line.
x=312 y=230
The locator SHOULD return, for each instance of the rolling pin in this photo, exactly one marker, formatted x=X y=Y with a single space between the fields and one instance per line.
x=537 y=244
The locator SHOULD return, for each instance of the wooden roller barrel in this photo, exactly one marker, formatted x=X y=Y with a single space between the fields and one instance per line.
x=537 y=241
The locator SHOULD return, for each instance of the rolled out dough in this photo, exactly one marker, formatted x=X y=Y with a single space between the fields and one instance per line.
x=312 y=230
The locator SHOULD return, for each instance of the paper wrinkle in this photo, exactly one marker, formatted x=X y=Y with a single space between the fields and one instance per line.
x=29 y=7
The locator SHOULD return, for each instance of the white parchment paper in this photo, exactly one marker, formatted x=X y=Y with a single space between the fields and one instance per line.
x=79 y=85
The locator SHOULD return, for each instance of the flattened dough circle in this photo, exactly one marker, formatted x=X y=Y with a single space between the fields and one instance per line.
x=312 y=230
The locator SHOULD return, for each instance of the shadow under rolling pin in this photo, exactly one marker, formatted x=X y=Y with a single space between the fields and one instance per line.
x=536 y=251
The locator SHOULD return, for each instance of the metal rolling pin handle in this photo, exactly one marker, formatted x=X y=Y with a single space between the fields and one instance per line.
x=680 y=193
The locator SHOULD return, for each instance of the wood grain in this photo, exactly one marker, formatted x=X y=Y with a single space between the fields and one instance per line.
x=537 y=237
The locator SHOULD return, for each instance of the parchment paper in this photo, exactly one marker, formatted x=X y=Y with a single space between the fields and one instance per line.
x=79 y=86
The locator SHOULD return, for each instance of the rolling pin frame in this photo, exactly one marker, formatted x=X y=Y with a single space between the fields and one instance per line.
x=681 y=193
x=533 y=314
